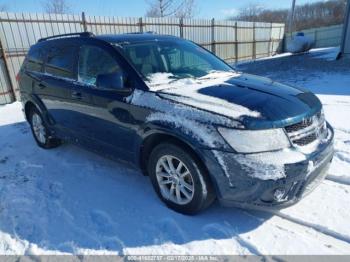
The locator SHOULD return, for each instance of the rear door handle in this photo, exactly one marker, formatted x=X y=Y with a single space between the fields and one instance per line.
x=42 y=86
x=76 y=95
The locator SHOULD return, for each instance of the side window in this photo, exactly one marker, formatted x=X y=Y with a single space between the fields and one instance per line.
x=178 y=59
x=94 y=61
x=193 y=60
x=60 y=62
x=34 y=61
x=145 y=59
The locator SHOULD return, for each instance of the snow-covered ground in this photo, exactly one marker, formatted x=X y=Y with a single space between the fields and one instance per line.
x=68 y=200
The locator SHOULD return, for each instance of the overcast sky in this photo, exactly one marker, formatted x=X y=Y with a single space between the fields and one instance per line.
x=218 y=9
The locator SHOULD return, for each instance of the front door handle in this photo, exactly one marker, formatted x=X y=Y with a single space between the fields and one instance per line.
x=76 y=95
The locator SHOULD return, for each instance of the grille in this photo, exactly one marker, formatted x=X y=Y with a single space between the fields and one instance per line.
x=305 y=140
x=308 y=130
x=299 y=126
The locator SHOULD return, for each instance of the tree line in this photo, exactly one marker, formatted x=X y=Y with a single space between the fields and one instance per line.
x=319 y=14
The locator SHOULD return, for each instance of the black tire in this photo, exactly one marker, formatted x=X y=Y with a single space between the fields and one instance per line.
x=203 y=195
x=50 y=142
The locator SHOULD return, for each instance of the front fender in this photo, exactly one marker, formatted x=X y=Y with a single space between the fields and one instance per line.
x=150 y=129
x=162 y=128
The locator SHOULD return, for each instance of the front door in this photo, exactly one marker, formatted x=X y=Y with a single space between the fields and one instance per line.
x=103 y=115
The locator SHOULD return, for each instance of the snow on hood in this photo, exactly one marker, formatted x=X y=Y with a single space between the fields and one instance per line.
x=186 y=91
x=161 y=81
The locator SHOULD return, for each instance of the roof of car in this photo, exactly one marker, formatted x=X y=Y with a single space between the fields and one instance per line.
x=118 y=38
x=134 y=37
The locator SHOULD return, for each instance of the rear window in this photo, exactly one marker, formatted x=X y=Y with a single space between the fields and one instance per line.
x=61 y=61
x=34 y=60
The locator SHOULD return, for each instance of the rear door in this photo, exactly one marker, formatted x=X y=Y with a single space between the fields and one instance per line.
x=54 y=89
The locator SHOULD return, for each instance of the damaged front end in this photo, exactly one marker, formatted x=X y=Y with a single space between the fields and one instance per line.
x=279 y=178
x=272 y=166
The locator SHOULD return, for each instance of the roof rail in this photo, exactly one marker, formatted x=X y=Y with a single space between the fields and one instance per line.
x=82 y=34
x=141 y=33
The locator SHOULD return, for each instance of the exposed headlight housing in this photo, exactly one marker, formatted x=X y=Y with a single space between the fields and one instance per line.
x=254 y=141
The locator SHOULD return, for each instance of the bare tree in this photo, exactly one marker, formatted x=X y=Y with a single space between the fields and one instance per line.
x=250 y=12
x=187 y=10
x=175 y=8
x=56 y=7
x=3 y=8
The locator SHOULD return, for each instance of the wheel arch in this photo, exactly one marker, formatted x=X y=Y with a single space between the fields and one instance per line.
x=27 y=108
x=156 y=138
x=35 y=102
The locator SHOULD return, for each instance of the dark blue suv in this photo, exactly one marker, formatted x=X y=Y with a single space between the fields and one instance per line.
x=199 y=129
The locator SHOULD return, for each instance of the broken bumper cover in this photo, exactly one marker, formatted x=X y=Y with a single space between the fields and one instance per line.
x=239 y=189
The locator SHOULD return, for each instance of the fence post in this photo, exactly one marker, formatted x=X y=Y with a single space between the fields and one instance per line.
x=140 y=25
x=270 y=43
x=236 y=42
x=254 y=42
x=213 y=44
x=83 y=18
x=280 y=49
x=181 y=27
x=316 y=34
x=3 y=54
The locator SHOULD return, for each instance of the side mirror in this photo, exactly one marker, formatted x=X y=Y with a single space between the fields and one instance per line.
x=112 y=82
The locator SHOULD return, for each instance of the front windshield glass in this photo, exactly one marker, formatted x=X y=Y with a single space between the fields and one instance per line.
x=176 y=59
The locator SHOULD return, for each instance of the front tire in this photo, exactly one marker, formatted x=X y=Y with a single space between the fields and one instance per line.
x=179 y=179
x=41 y=132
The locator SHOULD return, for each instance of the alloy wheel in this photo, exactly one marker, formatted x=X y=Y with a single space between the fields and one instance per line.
x=175 y=180
x=39 y=128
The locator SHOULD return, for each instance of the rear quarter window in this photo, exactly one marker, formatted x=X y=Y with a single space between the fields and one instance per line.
x=35 y=60
x=61 y=62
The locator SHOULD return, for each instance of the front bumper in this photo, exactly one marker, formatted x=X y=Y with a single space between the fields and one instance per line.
x=236 y=187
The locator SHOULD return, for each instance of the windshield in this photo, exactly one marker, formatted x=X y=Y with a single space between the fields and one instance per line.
x=176 y=59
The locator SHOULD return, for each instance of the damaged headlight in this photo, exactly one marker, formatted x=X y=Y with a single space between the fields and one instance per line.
x=253 y=141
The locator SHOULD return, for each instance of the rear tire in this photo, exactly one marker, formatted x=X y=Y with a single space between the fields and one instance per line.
x=41 y=132
x=179 y=179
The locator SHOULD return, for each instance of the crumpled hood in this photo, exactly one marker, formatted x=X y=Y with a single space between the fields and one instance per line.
x=260 y=102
